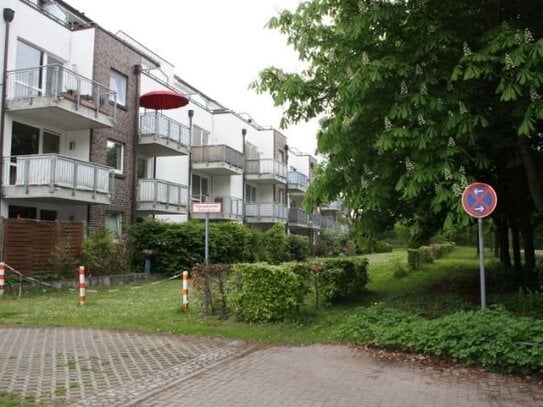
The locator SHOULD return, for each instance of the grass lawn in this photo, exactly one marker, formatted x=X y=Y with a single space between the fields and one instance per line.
x=445 y=286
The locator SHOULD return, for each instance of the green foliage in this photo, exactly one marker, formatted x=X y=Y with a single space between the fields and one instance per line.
x=340 y=279
x=261 y=292
x=179 y=246
x=427 y=254
x=209 y=281
x=400 y=270
x=61 y=262
x=99 y=253
x=298 y=247
x=413 y=106
x=275 y=244
x=491 y=338
x=334 y=243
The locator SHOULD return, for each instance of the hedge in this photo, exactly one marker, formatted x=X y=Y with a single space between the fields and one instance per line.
x=426 y=254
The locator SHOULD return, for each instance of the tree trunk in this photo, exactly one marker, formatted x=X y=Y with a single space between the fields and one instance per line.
x=517 y=262
x=505 y=257
x=534 y=184
x=530 y=272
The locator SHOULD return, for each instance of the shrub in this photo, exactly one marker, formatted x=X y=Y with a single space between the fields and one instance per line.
x=179 y=246
x=61 y=262
x=275 y=244
x=381 y=246
x=261 y=292
x=340 y=279
x=427 y=254
x=298 y=247
x=492 y=338
x=210 y=283
x=400 y=270
x=99 y=253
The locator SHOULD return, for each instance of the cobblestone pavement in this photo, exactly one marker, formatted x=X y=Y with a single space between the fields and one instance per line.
x=90 y=367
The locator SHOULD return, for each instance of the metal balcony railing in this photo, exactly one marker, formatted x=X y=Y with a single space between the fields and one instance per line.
x=298 y=216
x=266 y=210
x=59 y=82
x=332 y=206
x=297 y=180
x=266 y=166
x=164 y=128
x=57 y=171
x=157 y=191
x=217 y=153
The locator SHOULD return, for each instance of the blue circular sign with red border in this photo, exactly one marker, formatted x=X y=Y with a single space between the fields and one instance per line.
x=479 y=200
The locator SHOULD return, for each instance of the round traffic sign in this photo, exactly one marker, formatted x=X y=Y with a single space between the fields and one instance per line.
x=479 y=200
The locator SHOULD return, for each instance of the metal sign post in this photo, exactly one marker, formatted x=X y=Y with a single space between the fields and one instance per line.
x=479 y=200
x=207 y=208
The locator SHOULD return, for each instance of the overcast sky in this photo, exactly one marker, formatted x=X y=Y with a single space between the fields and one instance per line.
x=217 y=46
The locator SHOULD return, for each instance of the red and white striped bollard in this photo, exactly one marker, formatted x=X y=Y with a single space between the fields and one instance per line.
x=185 y=291
x=82 y=285
x=2 y=273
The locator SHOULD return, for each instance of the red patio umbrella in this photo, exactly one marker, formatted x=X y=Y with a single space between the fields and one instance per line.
x=162 y=99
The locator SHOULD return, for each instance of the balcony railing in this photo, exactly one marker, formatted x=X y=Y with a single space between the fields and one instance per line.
x=156 y=195
x=232 y=208
x=157 y=128
x=57 y=83
x=266 y=168
x=29 y=174
x=298 y=181
x=332 y=206
x=217 y=154
x=298 y=217
x=266 y=211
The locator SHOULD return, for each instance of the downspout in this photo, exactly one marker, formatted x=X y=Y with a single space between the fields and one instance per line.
x=243 y=194
x=189 y=203
x=8 y=14
x=137 y=72
x=286 y=190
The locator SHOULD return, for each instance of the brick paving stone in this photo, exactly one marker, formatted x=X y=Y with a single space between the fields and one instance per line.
x=332 y=375
x=92 y=367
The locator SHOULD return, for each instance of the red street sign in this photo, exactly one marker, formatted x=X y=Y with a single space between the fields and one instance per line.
x=479 y=200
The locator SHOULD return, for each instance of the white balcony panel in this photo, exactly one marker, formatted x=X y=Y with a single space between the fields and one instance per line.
x=53 y=177
x=265 y=212
x=266 y=171
x=217 y=160
x=157 y=196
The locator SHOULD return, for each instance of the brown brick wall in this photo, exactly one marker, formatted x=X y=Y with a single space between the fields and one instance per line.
x=110 y=53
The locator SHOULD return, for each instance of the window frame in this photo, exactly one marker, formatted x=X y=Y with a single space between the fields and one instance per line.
x=119 y=224
x=118 y=171
x=120 y=99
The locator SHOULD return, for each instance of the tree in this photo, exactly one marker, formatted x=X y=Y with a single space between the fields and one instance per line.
x=418 y=98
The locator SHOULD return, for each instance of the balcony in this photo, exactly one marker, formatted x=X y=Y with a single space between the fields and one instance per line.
x=265 y=212
x=332 y=207
x=268 y=171
x=217 y=160
x=59 y=98
x=156 y=196
x=55 y=178
x=160 y=136
x=331 y=224
x=232 y=208
x=297 y=182
x=298 y=219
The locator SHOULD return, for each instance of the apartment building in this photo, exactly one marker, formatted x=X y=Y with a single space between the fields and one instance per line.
x=79 y=145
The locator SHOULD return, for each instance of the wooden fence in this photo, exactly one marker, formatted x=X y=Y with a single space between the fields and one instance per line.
x=29 y=244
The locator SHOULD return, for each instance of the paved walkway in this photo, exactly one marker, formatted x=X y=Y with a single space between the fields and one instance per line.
x=89 y=367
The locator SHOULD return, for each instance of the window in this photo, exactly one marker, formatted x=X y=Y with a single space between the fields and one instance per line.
x=115 y=156
x=113 y=223
x=141 y=168
x=200 y=137
x=250 y=193
x=22 y=212
x=281 y=157
x=281 y=197
x=117 y=83
x=27 y=139
x=48 y=215
x=200 y=188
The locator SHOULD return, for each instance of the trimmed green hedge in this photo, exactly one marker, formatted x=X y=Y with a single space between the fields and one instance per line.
x=491 y=338
x=340 y=279
x=262 y=292
x=426 y=254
